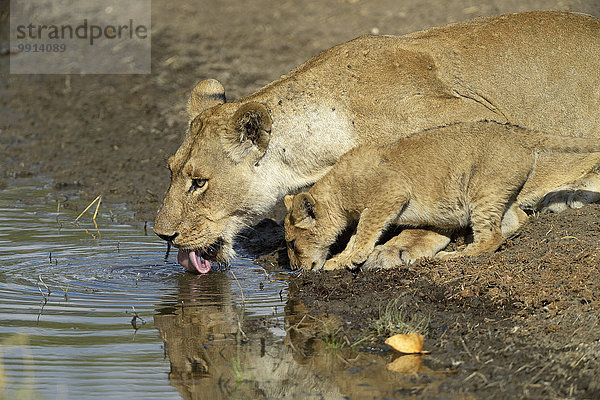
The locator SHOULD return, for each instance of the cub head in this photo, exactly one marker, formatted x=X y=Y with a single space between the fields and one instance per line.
x=307 y=243
x=217 y=179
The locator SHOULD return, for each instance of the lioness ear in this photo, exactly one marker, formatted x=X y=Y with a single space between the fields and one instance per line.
x=253 y=122
x=303 y=210
x=250 y=131
x=287 y=200
x=205 y=95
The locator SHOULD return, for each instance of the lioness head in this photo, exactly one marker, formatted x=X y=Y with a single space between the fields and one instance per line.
x=306 y=234
x=215 y=177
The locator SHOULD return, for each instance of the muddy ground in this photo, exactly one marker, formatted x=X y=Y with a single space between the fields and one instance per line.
x=523 y=323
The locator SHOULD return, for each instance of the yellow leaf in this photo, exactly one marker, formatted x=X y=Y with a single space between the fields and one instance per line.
x=411 y=343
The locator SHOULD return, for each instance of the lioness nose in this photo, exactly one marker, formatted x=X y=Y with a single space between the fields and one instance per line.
x=168 y=238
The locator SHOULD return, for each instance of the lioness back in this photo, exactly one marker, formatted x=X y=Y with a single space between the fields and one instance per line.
x=512 y=68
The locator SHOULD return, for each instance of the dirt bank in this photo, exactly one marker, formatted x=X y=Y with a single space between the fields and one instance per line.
x=523 y=322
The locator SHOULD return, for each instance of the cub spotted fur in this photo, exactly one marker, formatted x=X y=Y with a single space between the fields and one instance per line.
x=535 y=69
x=467 y=174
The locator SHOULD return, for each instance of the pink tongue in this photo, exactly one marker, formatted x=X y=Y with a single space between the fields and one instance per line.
x=192 y=261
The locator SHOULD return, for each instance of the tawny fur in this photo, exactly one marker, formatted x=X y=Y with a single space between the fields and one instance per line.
x=534 y=69
x=461 y=175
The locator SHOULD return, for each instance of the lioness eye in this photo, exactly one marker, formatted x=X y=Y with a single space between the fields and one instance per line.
x=198 y=183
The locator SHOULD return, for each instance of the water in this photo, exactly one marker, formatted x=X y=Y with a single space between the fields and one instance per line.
x=95 y=312
x=68 y=295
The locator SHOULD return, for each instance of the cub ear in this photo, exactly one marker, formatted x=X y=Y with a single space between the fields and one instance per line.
x=303 y=210
x=250 y=131
x=206 y=94
x=287 y=200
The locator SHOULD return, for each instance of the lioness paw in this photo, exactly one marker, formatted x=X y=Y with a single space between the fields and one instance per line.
x=446 y=255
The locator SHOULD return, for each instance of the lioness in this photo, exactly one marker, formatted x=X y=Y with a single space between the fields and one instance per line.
x=535 y=69
x=450 y=177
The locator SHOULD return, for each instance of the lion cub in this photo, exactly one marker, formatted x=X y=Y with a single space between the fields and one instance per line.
x=466 y=174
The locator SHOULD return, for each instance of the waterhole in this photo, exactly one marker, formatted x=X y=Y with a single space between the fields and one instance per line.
x=92 y=311
x=77 y=303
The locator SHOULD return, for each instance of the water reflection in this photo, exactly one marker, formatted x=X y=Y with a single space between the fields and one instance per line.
x=216 y=350
x=68 y=298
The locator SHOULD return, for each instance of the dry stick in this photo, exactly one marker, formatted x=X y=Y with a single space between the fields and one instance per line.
x=265 y=271
x=97 y=229
x=97 y=207
x=135 y=318
x=97 y=199
x=240 y=286
x=43 y=283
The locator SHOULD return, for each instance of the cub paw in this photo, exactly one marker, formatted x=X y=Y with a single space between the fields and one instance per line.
x=409 y=258
x=340 y=262
x=384 y=257
x=332 y=264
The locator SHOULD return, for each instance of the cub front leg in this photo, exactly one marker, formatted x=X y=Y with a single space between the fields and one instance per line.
x=337 y=261
x=371 y=224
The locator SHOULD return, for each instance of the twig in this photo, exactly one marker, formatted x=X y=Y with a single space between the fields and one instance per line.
x=240 y=286
x=476 y=373
x=97 y=207
x=97 y=199
x=569 y=237
x=465 y=347
x=42 y=305
x=46 y=286
x=135 y=318
x=532 y=380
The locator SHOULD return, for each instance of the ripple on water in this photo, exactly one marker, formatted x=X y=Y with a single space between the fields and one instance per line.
x=68 y=295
